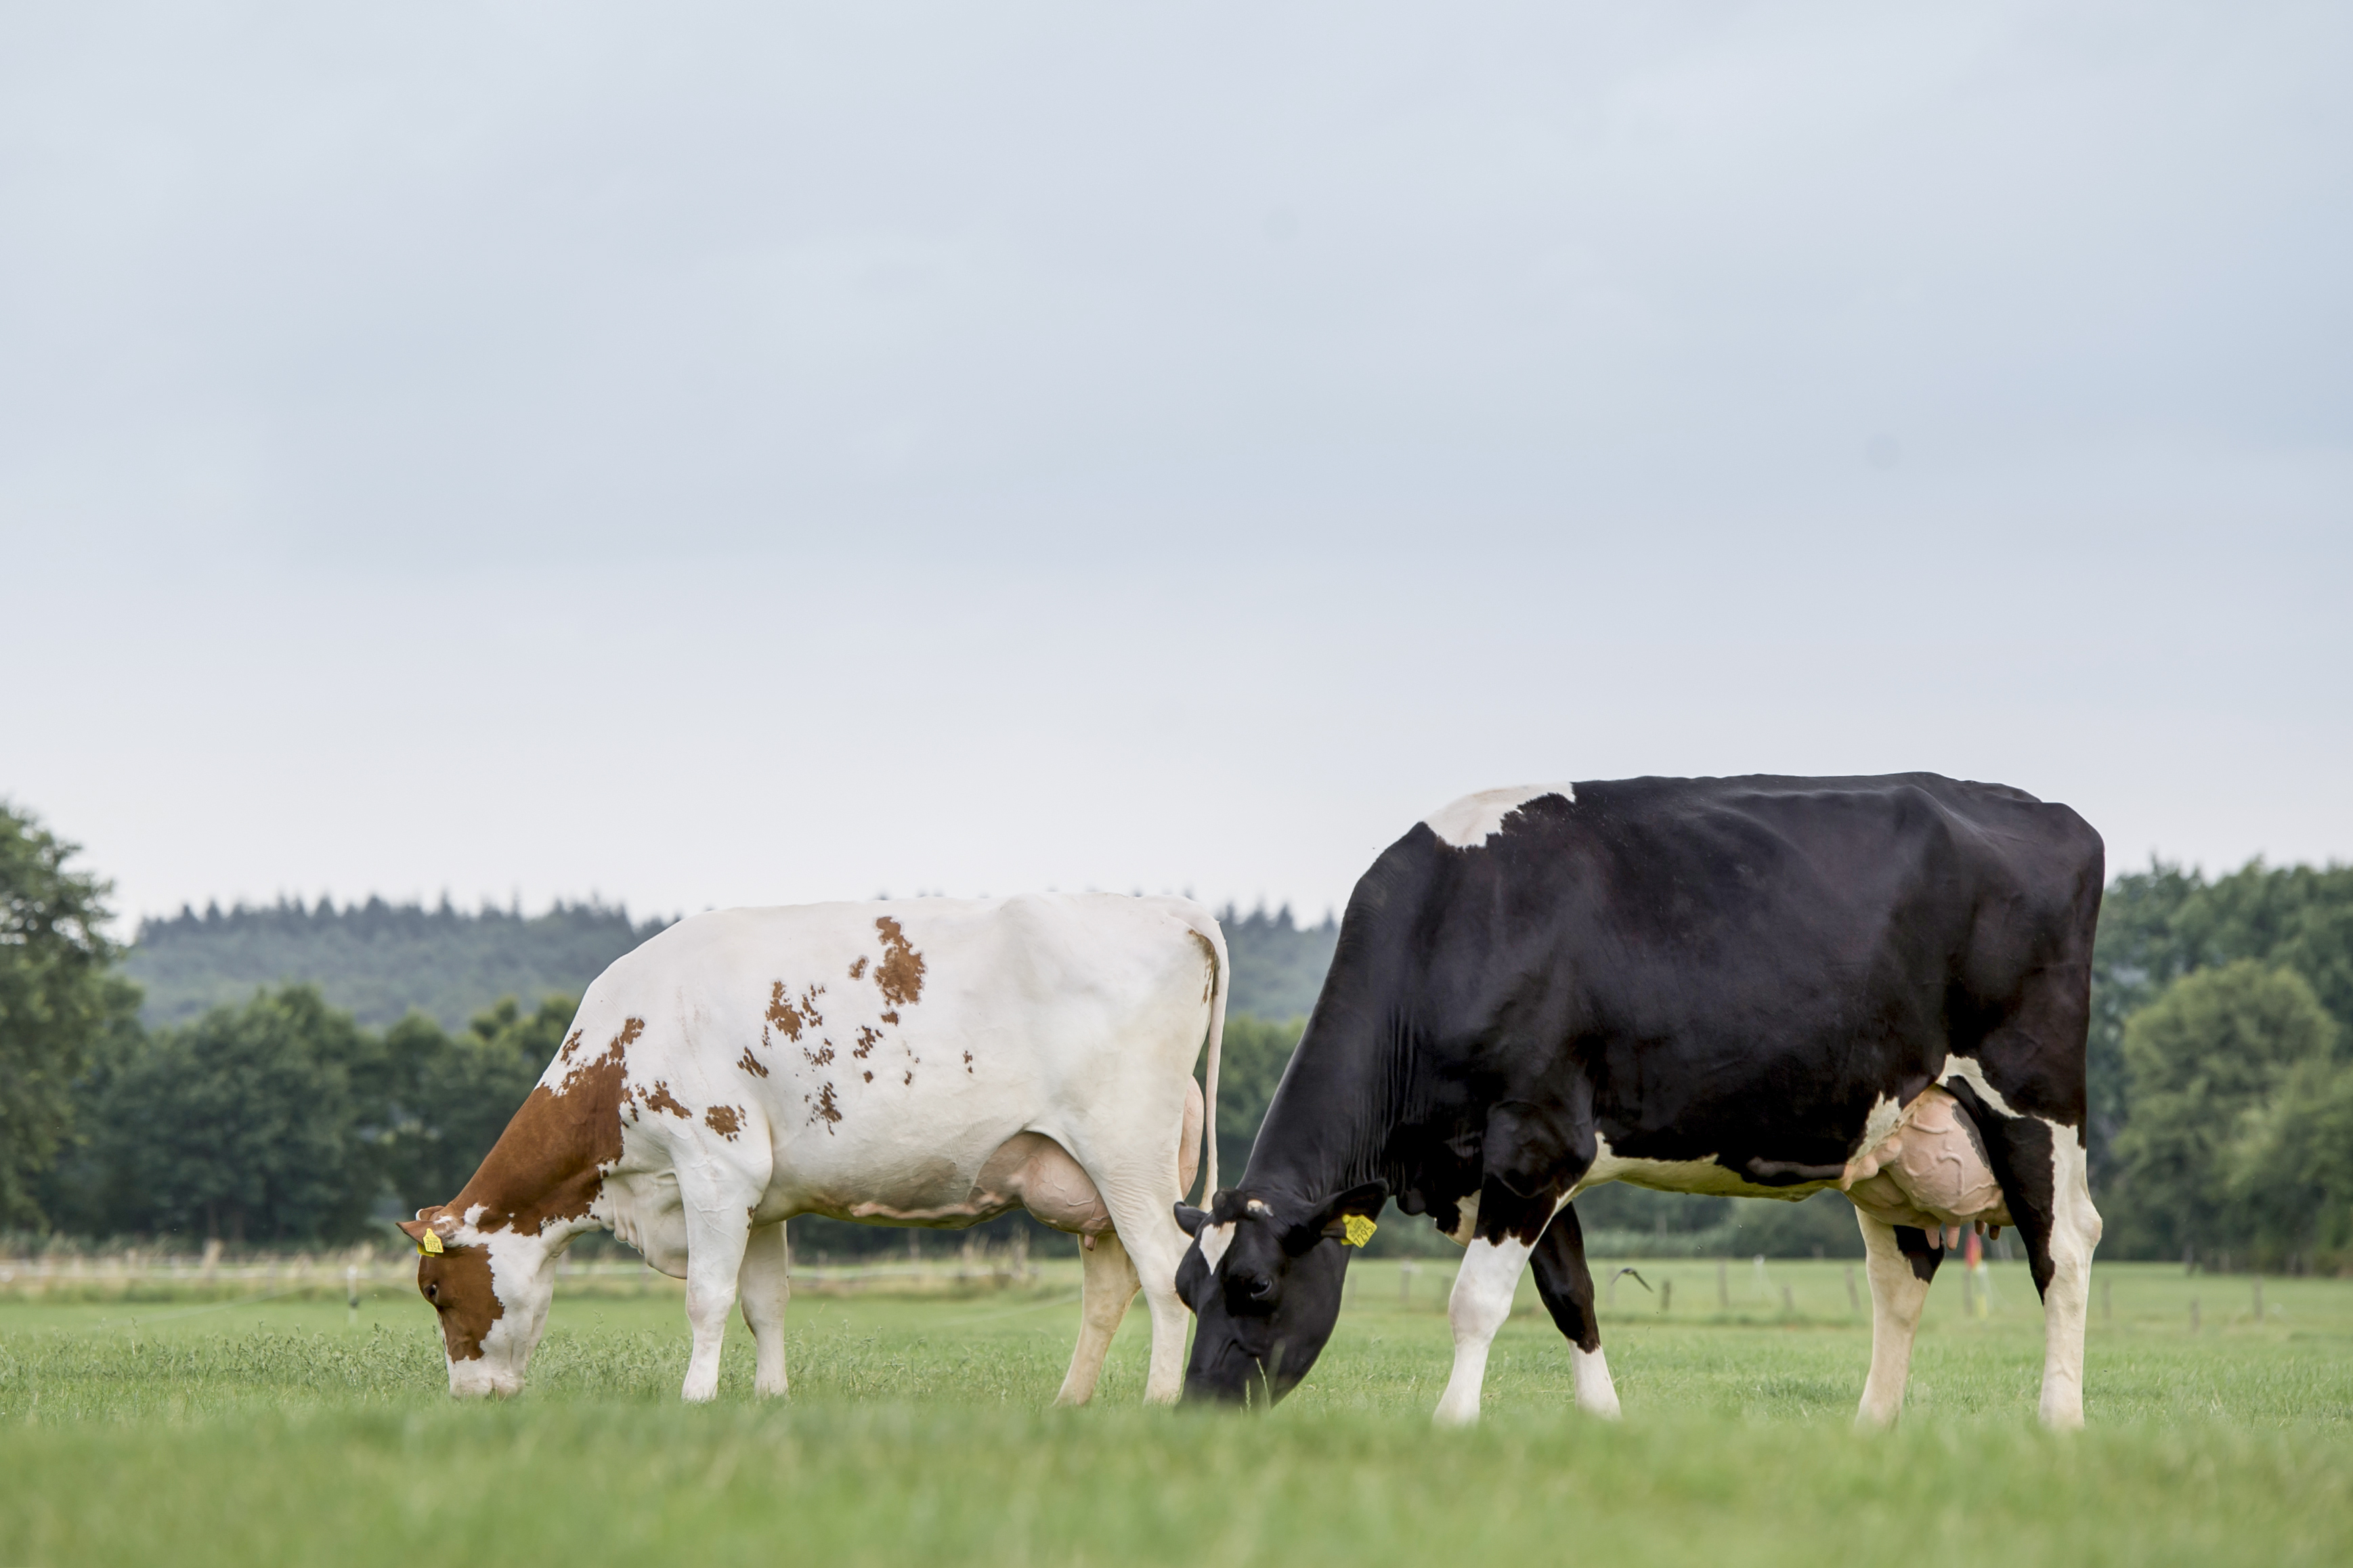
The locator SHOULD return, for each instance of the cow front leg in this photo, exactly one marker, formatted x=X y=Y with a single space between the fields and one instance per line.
x=1900 y=1263
x=1565 y=1285
x=1481 y=1303
x=766 y=1284
x=1108 y=1284
x=717 y=1236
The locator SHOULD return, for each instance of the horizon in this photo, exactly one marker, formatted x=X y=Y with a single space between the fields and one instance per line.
x=761 y=457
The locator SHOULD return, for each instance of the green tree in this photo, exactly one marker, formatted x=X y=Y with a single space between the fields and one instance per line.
x=59 y=1000
x=252 y=1125
x=451 y=1097
x=2290 y=1169
x=2202 y=1062
x=1250 y=1066
x=2137 y=953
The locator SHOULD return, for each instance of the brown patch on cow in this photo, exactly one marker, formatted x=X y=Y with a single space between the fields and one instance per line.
x=793 y=1017
x=549 y=1165
x=911 y=1077
x=751 y=1064
x=1209 y=980
x=820 y=1057
x=571 y=1044
x=456 y=1283
x=725 y=1120
x=967 y=1062
x=870 y=1077
x=858 y=970
x=869 y=1037
x=890 y=1017
x=827 y=1110
x=900 y=975
x=661 y=1098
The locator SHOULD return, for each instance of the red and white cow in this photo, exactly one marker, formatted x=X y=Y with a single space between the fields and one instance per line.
x=930 y=1062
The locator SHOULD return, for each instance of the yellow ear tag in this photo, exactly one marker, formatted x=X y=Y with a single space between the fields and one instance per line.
x=1359 y=1230
x=429 y=1242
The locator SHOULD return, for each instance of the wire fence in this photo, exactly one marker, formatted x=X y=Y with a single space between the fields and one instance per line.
x=143 y=1274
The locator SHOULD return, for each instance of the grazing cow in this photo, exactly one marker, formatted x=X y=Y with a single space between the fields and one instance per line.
x=927 y=1063
x=1760 y=986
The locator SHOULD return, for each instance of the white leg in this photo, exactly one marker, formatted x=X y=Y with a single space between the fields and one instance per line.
x=1897 y=1294
x=2074 y=1232
x=1159 y=1248
x=716 y=1239
x=1589 y=1371
x=1108 y=1286
x=1477 y=1310
x=765 y=1283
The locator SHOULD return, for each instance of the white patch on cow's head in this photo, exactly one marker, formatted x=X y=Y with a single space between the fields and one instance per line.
x=1214 y=1240
x=1469 y=822
x=523 y=1278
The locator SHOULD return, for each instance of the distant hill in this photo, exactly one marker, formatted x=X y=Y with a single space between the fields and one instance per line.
x=1277 y=966
x=378 y=961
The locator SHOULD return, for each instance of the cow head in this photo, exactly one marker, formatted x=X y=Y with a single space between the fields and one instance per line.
x=1264 y=1280
x=490 y=1291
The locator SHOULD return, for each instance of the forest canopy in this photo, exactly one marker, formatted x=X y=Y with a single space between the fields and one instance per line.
x=300 y=1073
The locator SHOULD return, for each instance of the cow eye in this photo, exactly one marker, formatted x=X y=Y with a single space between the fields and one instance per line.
x=432 y=1292
x=1262 y=1286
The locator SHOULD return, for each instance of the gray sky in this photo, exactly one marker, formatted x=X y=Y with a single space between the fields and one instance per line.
x=751 y=454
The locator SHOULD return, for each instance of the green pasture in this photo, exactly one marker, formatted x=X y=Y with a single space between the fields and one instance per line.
x=198 y=1431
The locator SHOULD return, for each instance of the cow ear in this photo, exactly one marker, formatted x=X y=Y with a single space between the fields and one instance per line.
x=1190 y=1220
x=1361 y=1203
x=429 y=1229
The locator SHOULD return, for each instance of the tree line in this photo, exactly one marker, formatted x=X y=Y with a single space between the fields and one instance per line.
x=2221 y=1069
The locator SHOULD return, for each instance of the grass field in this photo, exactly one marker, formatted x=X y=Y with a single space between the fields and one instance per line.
x=296 y=1432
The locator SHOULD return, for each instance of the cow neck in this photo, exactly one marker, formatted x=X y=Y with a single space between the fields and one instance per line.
x=1327 y=1127
x=547 y=1168
x=1351 y=1080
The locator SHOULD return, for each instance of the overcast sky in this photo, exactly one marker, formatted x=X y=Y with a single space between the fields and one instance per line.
x=708 y=455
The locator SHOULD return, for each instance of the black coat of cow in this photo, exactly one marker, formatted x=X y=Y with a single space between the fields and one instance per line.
x=1729 y=974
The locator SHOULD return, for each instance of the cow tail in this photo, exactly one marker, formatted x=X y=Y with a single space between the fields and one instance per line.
x=1205 y=926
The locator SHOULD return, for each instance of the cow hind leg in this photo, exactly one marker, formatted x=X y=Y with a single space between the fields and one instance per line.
x=1565 y=1285
x=1476 y=1311
x=1900 y=1263
x=766 y=1285
x=1156 y=1246
x=1139 y=1207
x=2041 y=1168
x=2066 y=1281
x=1108 y=1285
x=718 y=1234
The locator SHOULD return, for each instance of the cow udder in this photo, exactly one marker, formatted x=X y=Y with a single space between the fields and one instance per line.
x=1930 y=1171
x=1037 y=1172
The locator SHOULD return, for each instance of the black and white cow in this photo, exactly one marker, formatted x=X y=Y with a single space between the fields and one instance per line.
x=1762 y=986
